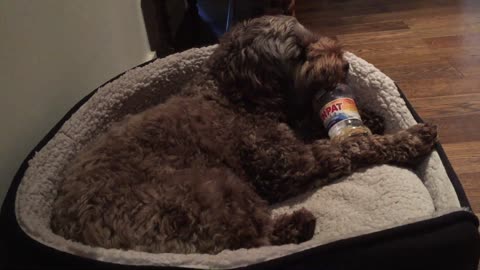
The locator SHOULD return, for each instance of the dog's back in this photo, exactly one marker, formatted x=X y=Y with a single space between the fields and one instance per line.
x=134 y=183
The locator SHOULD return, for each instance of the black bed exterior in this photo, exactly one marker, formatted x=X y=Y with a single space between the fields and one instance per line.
x=451 y=241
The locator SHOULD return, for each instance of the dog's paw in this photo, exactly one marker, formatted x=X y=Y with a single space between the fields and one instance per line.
x=305 y=222
x=427 y=136
x=295 y=228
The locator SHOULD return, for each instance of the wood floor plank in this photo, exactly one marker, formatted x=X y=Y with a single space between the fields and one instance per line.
x=443 y=21
x=415 y=71
x=472 y=189
x=448 y=30
x=464 y=157
x=457 y=129
x=447 y=106
x=455 y=41
x=314 y=9
x=375 y=37
x=410 y=46
x=360 y=28
x=439 y=87
x=456 y=115
x=468 y=65
x=390 y=10
x=406 y=61
x=410 y=6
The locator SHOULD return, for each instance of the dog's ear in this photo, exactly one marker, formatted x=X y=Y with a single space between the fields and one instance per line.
x=324 y=66
x=235 y=64
x=255 y=60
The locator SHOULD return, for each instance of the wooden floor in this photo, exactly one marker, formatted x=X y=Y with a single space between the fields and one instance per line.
x=431 y=48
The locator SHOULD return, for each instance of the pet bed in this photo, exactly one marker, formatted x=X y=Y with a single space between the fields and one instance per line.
x=383 y=217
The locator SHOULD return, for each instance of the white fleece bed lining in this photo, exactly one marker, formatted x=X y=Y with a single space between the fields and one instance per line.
x=370 y=200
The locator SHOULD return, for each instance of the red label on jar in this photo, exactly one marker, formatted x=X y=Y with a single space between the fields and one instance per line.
x=338 y=110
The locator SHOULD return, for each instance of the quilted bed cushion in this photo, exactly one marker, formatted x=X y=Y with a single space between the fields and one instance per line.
x=370 y=200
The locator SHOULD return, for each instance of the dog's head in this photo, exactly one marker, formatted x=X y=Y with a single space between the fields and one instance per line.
x=273 y=63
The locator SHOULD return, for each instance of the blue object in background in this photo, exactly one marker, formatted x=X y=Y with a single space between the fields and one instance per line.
x=220 y=15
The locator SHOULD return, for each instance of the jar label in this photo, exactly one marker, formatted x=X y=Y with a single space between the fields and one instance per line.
x=338 y=110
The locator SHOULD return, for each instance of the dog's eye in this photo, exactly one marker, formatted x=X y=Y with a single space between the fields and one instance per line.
x=346 y=67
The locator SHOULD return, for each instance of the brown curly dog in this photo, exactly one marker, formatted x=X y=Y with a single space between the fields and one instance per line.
x=197 y=173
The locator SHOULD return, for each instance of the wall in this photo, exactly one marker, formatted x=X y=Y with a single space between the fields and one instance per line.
x=52 y=53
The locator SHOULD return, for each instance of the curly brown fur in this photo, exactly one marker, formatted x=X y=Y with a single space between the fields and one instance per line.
x=197 y=173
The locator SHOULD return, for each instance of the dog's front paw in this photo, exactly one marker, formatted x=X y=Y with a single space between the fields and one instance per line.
x=425 y=137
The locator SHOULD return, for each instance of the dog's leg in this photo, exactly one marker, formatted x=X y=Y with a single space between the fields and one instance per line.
x=293 y=228
x=233 y=216
x=402 y=148
x=281 y=166
x=219 y=210
x=278 y=164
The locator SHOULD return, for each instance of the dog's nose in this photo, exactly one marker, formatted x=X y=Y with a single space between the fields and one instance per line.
x=339 y=89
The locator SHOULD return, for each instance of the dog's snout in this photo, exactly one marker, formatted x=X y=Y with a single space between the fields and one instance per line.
x=336 y=87
x=341 y=88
